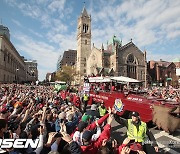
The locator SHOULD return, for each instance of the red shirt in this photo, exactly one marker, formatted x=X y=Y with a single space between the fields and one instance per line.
x=94 y=146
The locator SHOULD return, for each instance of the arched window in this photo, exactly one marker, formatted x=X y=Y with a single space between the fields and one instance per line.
x=4 y=57
x=130 y=59
x=85 y=28
x=131 y=66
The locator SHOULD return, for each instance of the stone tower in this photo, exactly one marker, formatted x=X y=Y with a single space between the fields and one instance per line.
x=83 y=43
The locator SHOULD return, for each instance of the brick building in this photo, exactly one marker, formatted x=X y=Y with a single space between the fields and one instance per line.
x=162 y=72
x=176 y=61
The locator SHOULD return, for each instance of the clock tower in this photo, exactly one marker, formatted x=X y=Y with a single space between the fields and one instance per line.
x=83 y=44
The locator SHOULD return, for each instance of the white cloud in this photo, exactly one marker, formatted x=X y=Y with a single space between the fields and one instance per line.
x=138 y=19
x=165 y=57
x=56 y=5
x=45 y=54
x=174 y=34
x=35 y=33
x=147 y=22
x=30 y=10
x=43 y=12
x=65 y=41
x=17 y=22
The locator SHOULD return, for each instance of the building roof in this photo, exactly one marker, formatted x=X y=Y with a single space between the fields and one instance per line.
x=113 y=40
x=124 y=79
x=99 y=79
x=107 y=52
x=84 y=12
x=4 y=31
x=120 y=79
x=12 y=46
x=127 y=45
x=163 y=63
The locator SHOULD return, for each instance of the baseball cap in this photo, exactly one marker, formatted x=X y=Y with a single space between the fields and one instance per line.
x=135 y=114
x=82 y=125
x=87 y=135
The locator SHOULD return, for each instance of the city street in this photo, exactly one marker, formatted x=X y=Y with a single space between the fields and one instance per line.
x=168 y=144
x=65 y=64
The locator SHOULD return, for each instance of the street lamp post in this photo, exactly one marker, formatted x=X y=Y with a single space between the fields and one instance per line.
x=17 y=74
x=166 y=82
x=33 y=76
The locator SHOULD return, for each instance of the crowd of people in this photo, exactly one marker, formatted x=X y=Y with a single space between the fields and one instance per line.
x=164 y=93
x=168 y=94
x=38 y=112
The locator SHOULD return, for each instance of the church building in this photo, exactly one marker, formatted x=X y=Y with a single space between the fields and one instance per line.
x=116 y=60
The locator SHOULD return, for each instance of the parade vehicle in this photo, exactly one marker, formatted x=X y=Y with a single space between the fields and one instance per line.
x=124 y=94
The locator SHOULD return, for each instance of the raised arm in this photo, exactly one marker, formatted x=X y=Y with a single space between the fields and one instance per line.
x=119 y=119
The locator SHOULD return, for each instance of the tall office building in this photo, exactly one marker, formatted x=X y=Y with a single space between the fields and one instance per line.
x=67 y=59
x=31 y=70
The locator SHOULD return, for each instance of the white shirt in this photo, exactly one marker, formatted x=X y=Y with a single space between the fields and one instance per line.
x=78 y=136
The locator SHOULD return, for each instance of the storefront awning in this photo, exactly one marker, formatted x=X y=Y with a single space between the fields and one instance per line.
x=99 y=79
x=125 y=79
x=168 y=79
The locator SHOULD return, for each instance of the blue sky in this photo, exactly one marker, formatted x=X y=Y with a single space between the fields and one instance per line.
x=42 y=29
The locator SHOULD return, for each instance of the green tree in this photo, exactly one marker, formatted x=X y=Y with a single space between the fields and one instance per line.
x=66 y=74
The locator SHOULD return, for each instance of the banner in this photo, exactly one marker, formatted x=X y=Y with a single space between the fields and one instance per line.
x=118 y=105
x=59 y=87
x=86 y=87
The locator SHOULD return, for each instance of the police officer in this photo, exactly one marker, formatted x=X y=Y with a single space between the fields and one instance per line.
x=102 y=109
x=85 y=100
x=137 y=131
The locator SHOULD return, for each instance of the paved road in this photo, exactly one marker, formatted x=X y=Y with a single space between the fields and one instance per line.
x=169 y=144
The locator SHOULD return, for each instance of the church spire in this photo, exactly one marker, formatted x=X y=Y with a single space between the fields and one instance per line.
x=102 y=47
x=84 y=12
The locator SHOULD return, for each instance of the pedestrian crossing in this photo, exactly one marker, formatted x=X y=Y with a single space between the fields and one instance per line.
x=170 y=143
